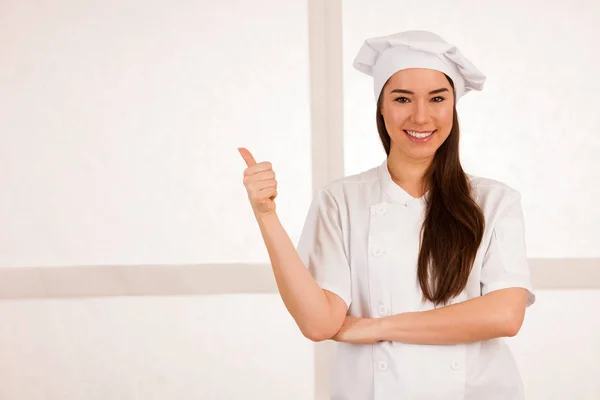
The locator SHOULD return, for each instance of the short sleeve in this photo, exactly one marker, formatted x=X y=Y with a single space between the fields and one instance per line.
x=321 y=246
x=505 y=263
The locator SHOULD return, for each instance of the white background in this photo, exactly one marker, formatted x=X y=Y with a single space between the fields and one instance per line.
x=119 y=123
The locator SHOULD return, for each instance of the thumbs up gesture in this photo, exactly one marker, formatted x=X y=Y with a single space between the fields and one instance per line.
x=260 y=183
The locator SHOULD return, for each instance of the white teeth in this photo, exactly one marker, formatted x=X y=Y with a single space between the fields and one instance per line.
x=419 y=135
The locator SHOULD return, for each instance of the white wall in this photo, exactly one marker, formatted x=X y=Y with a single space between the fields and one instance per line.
x=121 y=120
x=558 y=347
x=153 y=348
x=119 y=123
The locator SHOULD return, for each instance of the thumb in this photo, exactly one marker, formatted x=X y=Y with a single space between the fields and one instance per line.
x=247 y=156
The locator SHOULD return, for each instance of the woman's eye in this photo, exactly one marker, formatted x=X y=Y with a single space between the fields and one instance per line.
x=437 y=99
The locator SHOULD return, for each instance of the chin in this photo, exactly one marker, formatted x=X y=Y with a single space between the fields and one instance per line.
x=421 y=155
x=419 y=150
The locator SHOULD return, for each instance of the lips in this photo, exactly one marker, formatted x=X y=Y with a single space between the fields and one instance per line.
x=420 y=137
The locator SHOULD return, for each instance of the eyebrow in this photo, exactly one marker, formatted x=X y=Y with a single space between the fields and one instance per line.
x=436 y=91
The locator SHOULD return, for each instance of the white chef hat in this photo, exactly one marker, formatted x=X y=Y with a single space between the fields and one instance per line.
x=381 y=57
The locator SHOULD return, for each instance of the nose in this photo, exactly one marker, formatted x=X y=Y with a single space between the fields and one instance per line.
x=420 y=114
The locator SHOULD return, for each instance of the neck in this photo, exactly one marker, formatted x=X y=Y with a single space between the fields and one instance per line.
x=409 y=173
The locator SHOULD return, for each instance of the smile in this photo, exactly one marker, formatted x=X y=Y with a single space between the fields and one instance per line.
x=420 y=136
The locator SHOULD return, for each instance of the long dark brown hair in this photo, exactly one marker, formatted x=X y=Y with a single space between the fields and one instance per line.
x=453 y=226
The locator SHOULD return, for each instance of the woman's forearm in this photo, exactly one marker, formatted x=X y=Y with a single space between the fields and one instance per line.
x=497 y=314
x=304 y=299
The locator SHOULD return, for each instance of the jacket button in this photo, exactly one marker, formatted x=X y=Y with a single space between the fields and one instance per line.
x=383 y=309
x=382 y=366
x=455 y=365
x=377 y=252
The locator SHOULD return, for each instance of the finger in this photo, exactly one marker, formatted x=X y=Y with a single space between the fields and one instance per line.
x=247 y=156
x=260 y=176
x=257 y=168
x=262 y=195
x=269 y=193
x=258 y=186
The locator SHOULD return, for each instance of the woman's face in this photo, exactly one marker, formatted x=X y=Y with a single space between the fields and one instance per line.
x=417 y=107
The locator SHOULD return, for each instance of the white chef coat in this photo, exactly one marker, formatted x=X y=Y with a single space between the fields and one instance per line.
x=361 y=242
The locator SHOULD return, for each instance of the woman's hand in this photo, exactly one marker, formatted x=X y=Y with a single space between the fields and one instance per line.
x=358 y=331
x=260 y=183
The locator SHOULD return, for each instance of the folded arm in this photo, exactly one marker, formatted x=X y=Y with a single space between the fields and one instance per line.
x=497 y=314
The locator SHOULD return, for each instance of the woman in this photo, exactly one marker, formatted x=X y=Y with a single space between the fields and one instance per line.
x=416 y=268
